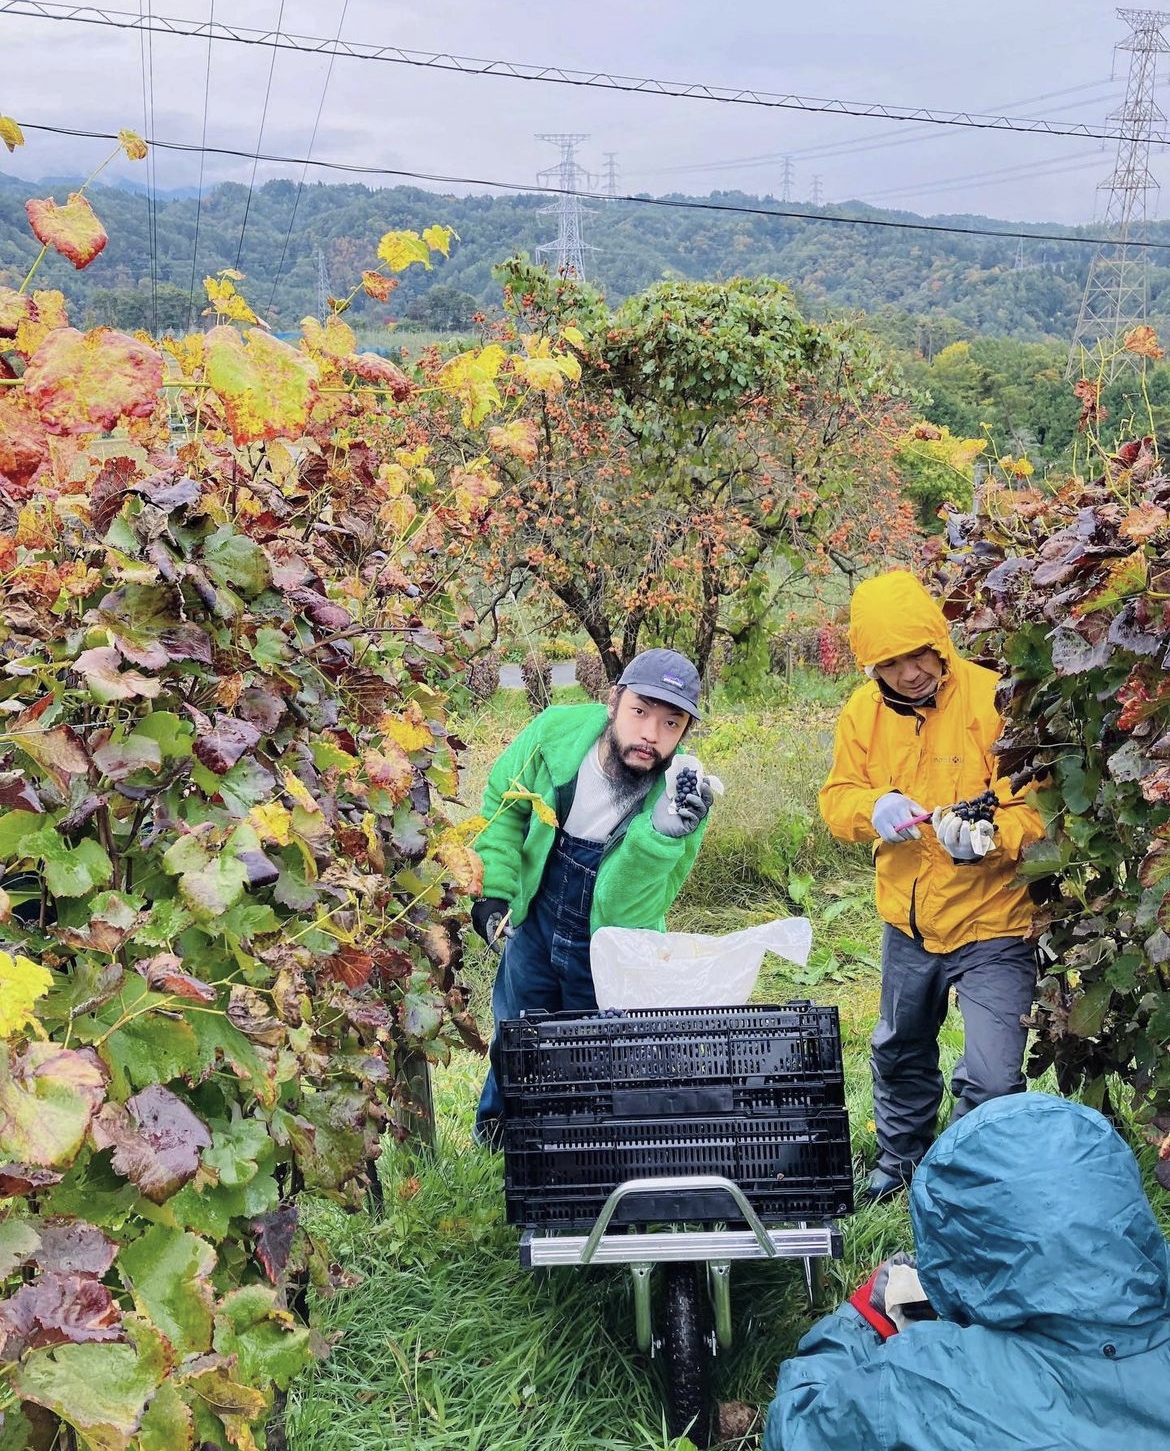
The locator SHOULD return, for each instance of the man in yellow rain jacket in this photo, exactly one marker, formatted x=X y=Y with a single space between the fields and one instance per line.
x=912 y=743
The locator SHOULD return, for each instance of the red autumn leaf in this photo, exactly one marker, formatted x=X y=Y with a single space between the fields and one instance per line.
x=86 y=381
x=373 y=369
x=220 y=748
x=24 y=447
x=274 y=1237
x=156 y=1140
x=73 y=229
x=348 y=965
x=378 y=286
x=17 y=792
x=266 y=387
x=108 y=490
x=393 y=965
x=1143 y=341
x=164 y=972
x=58 y=1310
x=17 y=1180
x=73 y=1247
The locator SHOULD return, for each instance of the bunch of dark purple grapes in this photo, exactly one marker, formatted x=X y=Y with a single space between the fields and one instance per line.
x=686 y=783
x=979 y=808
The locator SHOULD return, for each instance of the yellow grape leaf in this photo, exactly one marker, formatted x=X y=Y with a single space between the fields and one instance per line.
x=272 y=821
x=390 y=770
x=470 y=377
x=187 y=353
x=267 y=388
x=334 y=338
x=10 y=133
x=378 y=286
x=539 y=805
x=225 y=300
x=439 y=239
x=519 y=438
x=15 y=308
x=73 y=229
x=22 y=982
x=398 y=515
x=132 y=144
x=466 y=831
x=411 y=458
x=543 y=369
x=1123 y=578
x=472 y=492
x=51 y=309
x=299 y=792
x=573 y=335
x=539 y=373
x=400 y=250
x=409 y=729
x=463 y=864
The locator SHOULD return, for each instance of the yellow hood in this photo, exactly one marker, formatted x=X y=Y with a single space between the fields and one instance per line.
x=893 y=615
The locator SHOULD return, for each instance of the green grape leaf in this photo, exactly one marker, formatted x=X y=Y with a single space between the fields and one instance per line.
x=100 y=1390
x=268 y=1342
x=168 y=1272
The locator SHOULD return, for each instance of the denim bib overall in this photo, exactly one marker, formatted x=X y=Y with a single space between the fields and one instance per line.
x=546 y=962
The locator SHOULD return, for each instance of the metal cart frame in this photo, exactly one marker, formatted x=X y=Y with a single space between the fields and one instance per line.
x=685 y=1340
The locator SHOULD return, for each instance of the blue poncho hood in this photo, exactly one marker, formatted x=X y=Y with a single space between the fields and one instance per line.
x=1030 y=1213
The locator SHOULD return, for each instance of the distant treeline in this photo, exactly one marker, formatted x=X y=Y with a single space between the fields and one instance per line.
x=922 y=287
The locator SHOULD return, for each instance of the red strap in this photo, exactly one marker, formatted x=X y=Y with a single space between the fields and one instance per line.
x=860 y=1300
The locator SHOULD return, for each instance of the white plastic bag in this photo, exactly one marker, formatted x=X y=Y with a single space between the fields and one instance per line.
x=636 y=968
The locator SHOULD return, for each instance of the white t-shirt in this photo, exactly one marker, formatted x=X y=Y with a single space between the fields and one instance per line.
x=596 y=808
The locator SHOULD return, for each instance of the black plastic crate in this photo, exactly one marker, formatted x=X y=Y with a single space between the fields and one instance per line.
x=559 y=1172
x=696 y=1062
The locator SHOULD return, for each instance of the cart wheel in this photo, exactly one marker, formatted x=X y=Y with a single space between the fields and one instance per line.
x=686 y=1353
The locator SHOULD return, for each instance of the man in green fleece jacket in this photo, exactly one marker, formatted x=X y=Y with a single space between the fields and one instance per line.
x=592 y=840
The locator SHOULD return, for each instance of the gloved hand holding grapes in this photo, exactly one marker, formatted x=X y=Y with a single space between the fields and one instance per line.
x=687 y=798
x=965 y=830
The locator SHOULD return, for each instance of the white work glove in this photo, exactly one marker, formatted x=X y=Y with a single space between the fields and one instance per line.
x=687 y=798
x=897 y=1291
x=965 y=841
x=891 y=815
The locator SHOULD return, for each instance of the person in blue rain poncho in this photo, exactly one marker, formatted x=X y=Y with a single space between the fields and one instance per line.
x=1037 y=1317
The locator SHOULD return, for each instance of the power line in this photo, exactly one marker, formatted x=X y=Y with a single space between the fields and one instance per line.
x=672 y=203
x=849 y=146
x=1027 y=170
x=259 y=142
x=146 y=50
x=305 y=169
x=553 y=75
x=199 y=197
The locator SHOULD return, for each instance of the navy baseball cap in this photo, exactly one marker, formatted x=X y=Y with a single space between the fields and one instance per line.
x=664 y=675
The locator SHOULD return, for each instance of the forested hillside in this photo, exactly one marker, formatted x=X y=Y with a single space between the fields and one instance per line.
x=911 y=282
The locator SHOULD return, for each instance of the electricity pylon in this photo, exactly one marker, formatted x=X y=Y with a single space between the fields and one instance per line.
x=567 y=253
x=610 y=173
x=1117 y=287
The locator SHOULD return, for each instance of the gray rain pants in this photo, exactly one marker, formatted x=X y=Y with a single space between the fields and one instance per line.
x=994 y=982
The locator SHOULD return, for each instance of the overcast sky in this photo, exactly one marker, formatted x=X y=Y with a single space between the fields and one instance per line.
x=1025 y=58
